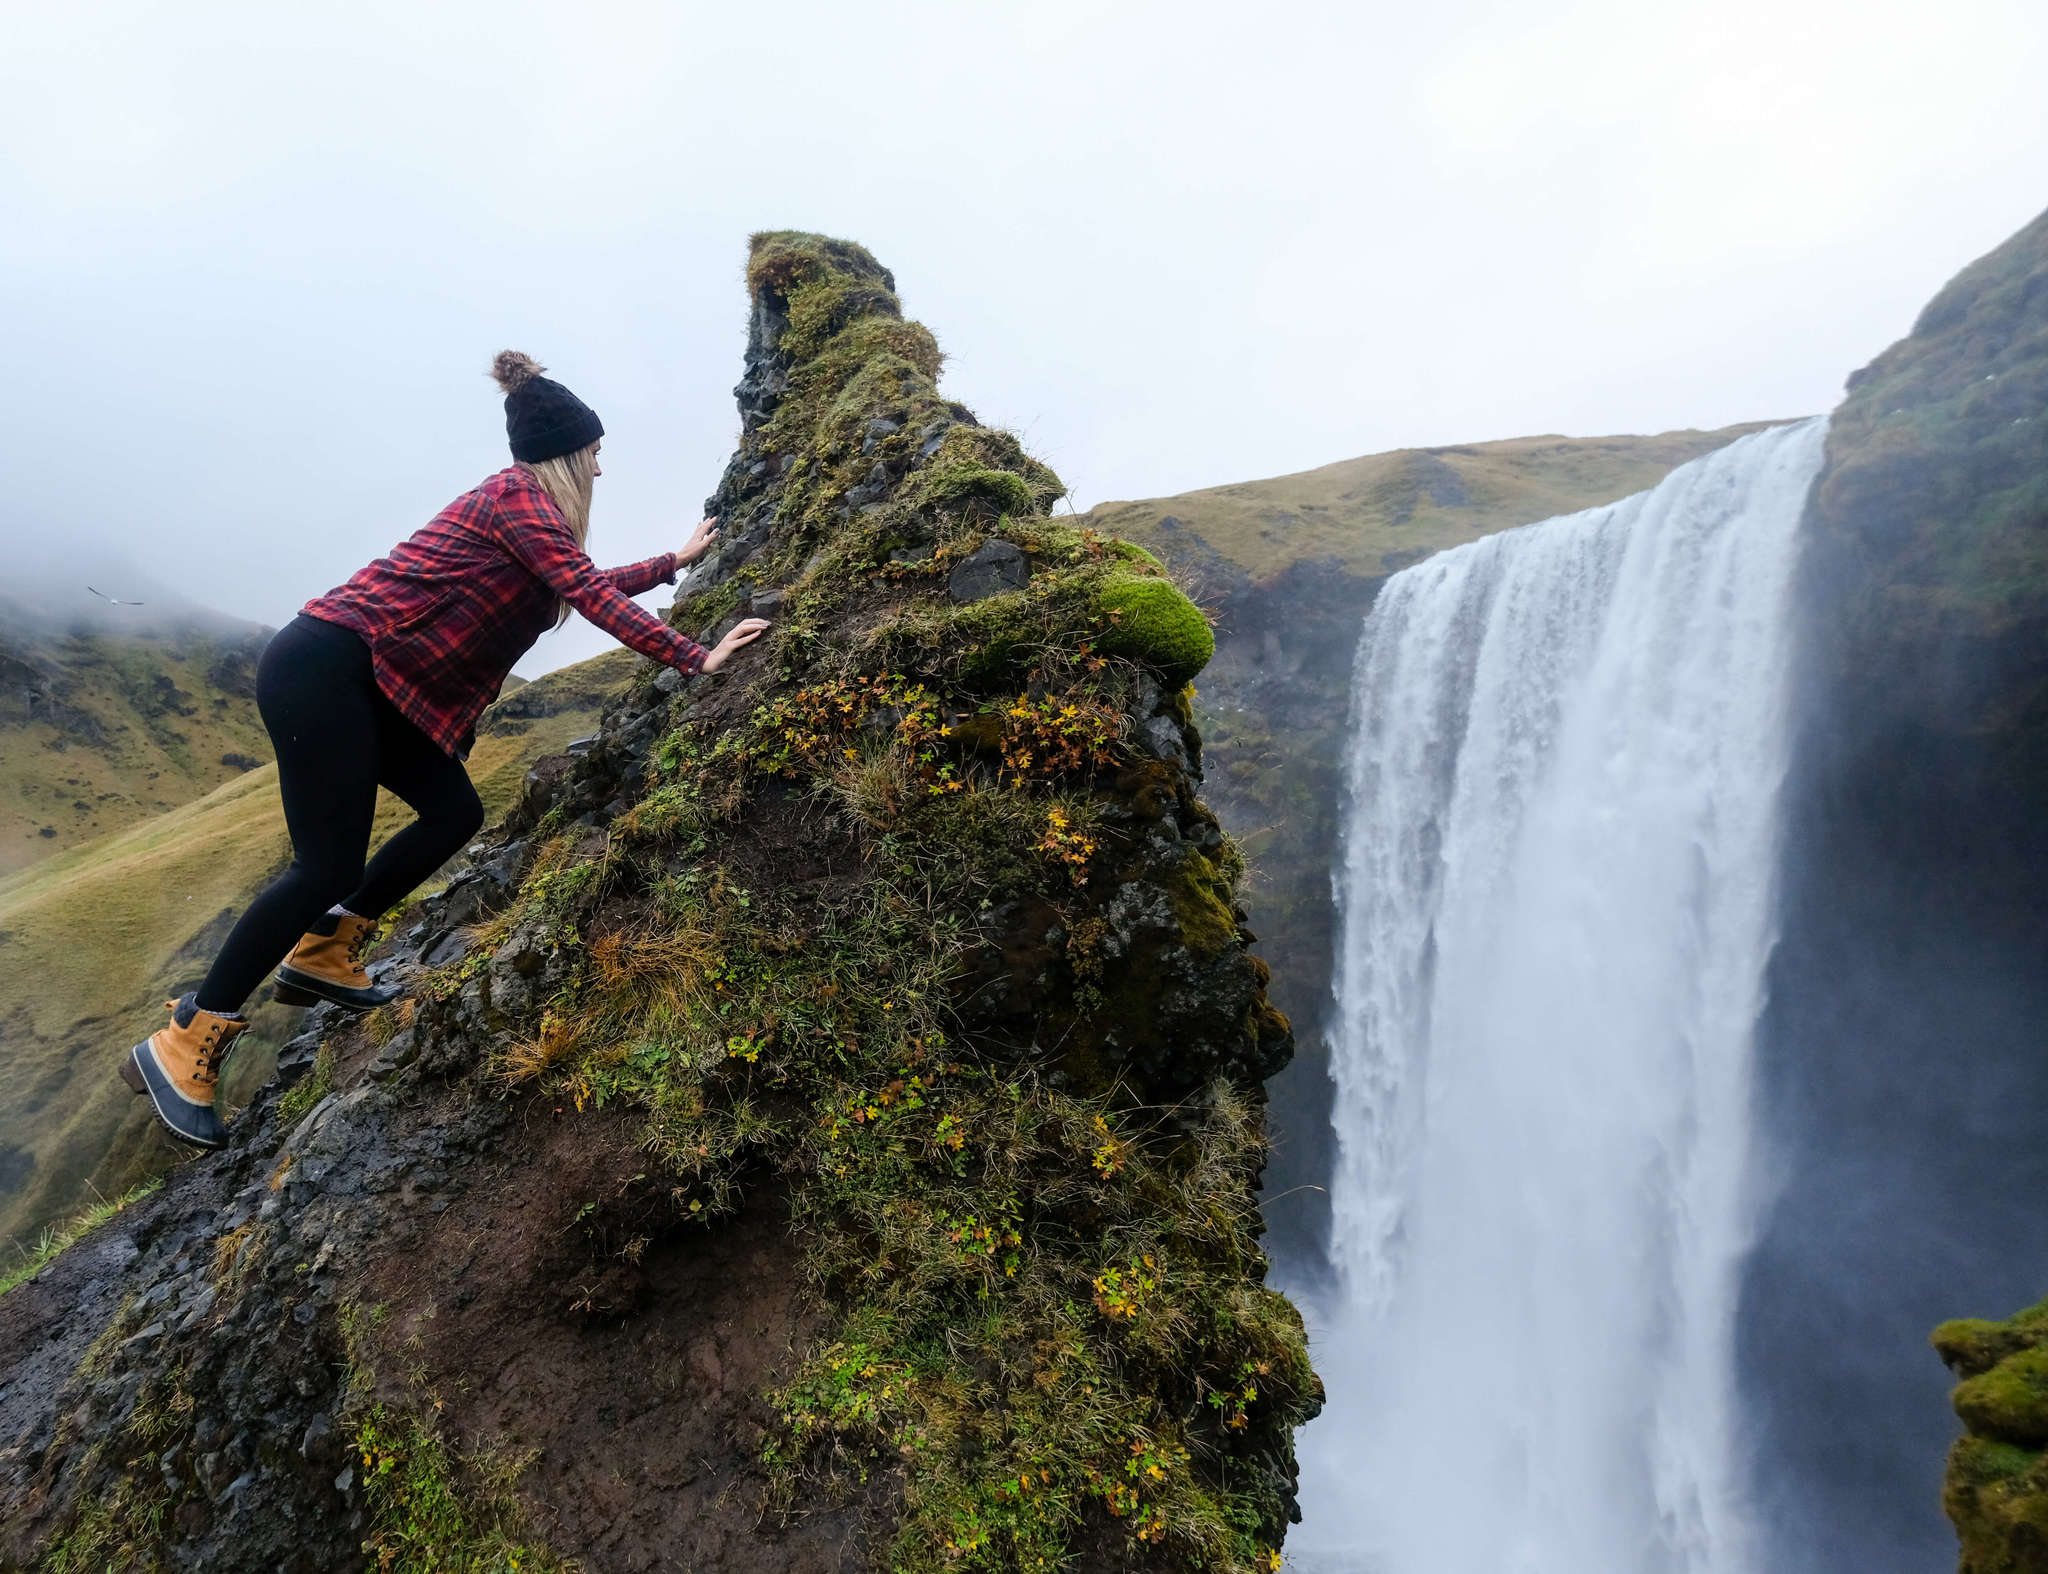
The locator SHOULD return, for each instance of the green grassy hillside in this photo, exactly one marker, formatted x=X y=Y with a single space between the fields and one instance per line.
x=94 y=938
x=101 y=730
x=1288 y=567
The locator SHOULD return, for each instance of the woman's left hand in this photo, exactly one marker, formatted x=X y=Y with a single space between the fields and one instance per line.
x=744 y=632
x=701 y=541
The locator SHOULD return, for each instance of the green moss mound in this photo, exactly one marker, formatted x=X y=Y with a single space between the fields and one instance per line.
x=1970 y=1346
x=2009 y=1403
x=1151 y=621
x=1996 y=1491
x=1002 y=490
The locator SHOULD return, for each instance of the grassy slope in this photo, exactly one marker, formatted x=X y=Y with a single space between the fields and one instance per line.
x=1378 y=513
x=93 y=939
x=142 y=722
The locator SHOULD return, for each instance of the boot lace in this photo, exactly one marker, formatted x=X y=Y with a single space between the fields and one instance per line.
x=206 y=1064
x=361 y=944
x=211 y=1054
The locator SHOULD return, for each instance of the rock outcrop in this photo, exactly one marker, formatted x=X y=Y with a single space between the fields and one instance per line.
x=824 y=1126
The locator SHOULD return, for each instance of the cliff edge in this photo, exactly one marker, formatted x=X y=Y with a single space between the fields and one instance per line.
x=824 y=1125
x=1901 y=1079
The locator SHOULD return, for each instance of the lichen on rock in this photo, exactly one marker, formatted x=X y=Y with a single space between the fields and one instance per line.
x=842 y=1087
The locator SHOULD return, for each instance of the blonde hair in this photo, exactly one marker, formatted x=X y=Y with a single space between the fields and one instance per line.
x=568 y=480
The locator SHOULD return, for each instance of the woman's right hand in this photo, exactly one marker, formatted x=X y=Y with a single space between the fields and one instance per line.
x=744 y=632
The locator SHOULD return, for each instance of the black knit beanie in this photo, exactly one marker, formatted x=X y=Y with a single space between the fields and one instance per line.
x=542 y=418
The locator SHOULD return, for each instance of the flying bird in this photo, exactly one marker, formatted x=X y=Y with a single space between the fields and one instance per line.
x=116 y=600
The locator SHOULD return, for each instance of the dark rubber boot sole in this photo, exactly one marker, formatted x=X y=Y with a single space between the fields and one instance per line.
x=294 y=988
x=136 y=1077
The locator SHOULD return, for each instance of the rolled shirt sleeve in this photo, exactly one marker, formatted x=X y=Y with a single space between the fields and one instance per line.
x=535 y=534
x=636 y=579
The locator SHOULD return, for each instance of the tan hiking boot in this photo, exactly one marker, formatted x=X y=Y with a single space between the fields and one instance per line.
x=327 y=964
x=179 y=1068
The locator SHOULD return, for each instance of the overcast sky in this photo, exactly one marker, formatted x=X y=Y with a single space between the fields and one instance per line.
x=256 y=258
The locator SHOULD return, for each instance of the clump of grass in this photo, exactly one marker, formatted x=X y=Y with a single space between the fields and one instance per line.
x=432 y=1514
x=121 y=1530
x=298 y=1100
x=57 y=1238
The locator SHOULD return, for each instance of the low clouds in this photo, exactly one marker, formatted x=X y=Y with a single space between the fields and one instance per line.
x=258 y=257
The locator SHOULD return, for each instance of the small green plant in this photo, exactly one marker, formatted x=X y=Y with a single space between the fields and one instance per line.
x=58 y=1238
x=298 y=1100
x=431 y=1515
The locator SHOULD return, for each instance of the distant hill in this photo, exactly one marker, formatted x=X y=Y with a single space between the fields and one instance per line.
x=95 y=937
x=103 y=727
x=1287 y=567
x=1373 y=515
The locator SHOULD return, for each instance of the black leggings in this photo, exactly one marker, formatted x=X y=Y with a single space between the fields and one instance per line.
x=337 y=739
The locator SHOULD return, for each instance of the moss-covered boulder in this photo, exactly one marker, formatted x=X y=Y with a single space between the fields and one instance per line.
x=2008 y=1403
x=1997 y=1487
x=1153 y=622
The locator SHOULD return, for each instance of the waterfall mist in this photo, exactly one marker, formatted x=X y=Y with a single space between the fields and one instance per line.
x=1557 y=896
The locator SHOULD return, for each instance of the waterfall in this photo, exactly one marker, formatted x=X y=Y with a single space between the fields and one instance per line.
x=1557 y=900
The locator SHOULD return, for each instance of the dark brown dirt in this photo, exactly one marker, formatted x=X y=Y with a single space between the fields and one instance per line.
x=638 y=1391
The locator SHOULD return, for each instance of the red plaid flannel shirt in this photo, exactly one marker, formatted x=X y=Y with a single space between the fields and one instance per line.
x=451 y=609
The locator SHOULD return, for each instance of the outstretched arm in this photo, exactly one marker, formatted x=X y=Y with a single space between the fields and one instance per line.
x=534 y=533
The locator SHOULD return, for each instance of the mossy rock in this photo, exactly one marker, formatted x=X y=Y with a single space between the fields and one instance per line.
x=979 y=463
x=1994 y=1495
x=779 y=260
x=1003 y=491
x=1151 y=621
x=1970 y=1346
x=2010 y=1402
x=1200 y=897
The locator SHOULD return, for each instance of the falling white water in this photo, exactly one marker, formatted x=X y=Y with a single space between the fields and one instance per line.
x=1557 y=897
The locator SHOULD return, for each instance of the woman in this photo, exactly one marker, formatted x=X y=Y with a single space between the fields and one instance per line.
x=381 y=682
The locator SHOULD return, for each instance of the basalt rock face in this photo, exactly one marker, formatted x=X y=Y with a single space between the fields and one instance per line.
x=823 y=1127
x=1904 y=1090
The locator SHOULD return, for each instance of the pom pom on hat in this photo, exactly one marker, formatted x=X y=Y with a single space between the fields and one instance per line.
x=514 y=370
